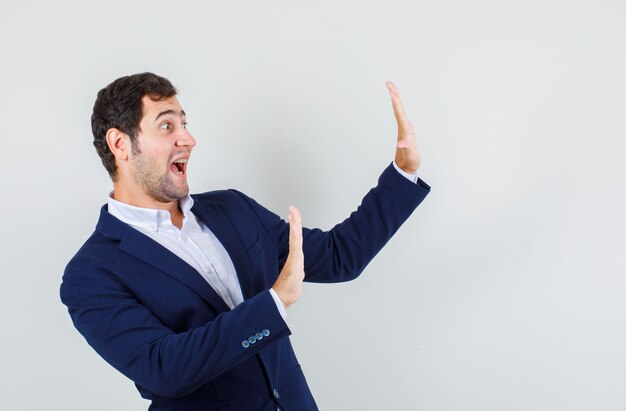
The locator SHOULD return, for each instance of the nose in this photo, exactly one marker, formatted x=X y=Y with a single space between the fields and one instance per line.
x=185 y=139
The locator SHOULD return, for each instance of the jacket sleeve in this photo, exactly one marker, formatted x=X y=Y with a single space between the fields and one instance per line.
x=134 y=341
x=342 y=253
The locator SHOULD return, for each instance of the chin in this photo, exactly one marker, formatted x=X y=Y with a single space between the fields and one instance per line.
x=169 y=193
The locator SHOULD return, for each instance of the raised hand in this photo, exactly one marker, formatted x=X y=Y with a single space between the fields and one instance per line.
x=407 y=156
x=288 y=285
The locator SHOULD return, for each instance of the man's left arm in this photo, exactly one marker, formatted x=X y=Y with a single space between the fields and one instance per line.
x=341 y=254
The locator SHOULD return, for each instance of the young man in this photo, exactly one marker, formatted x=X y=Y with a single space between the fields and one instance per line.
x=186 y=295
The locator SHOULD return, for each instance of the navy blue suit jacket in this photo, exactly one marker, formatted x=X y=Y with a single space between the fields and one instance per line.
x=155 y=319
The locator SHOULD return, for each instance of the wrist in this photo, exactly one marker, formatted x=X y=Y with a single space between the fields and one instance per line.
x=281 y=298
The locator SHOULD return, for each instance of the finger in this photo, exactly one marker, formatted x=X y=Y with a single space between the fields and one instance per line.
x=404 y=124
x=295 y=230
x=396 y=101
x=392 y=87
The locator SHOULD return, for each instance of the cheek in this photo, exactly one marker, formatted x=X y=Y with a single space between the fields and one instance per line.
x=148 y=163
x=156 y=154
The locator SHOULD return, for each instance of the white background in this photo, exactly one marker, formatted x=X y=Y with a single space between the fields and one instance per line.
x=504 y=291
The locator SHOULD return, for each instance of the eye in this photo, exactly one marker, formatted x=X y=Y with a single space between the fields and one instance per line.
x=185 y=125
x=165 y=126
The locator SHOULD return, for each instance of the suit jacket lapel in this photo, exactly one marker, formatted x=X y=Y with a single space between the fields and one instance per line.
x=224 y=230
x=146 y=249
x=153 y=253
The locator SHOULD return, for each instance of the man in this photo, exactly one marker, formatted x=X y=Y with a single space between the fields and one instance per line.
x=186 y=295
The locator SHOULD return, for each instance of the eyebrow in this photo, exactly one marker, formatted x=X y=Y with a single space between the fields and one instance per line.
x=167 y=112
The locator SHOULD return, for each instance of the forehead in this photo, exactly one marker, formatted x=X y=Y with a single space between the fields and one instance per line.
x=150 y=109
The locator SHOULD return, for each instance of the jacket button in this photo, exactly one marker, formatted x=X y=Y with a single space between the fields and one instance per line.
x=259 y=335
x=245 y=344
x=266 y=332
x=252 y=339
x=276 y=393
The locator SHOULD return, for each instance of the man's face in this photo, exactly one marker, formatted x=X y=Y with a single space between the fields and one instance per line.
x=160 y=154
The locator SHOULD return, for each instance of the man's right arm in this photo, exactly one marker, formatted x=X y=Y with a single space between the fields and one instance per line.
x=132 y=339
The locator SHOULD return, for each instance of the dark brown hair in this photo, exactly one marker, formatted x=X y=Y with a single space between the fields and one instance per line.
x=118 y=105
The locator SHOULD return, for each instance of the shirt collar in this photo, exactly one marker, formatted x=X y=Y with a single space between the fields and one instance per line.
x=148 y=218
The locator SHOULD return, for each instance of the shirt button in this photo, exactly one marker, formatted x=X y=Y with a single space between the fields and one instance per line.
x=276 y=393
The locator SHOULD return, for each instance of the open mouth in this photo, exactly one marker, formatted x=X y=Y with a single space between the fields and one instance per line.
x=179 y=166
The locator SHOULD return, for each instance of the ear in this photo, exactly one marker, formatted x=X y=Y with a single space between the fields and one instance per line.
x=119 y=143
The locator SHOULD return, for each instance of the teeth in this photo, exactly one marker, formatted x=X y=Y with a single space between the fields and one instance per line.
x=180 y=161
